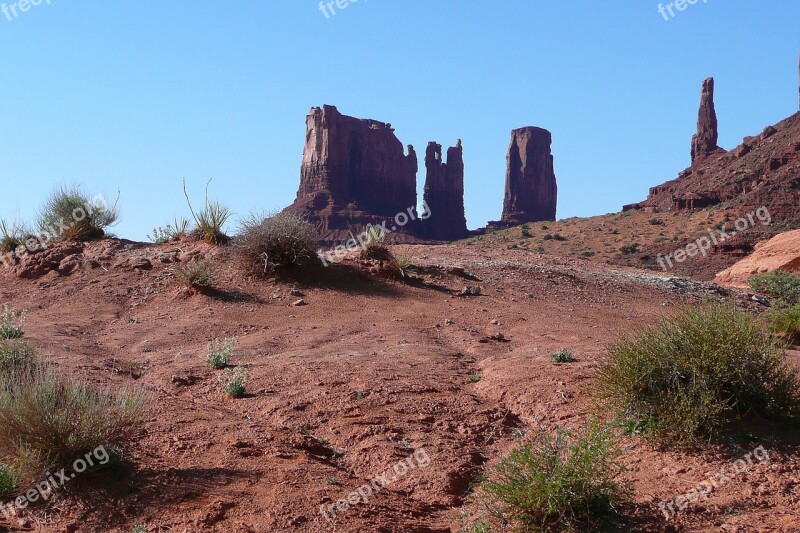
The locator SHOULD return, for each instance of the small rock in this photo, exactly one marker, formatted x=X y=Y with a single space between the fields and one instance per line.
x=299 y=303
x=296 y=292
x=470 y=290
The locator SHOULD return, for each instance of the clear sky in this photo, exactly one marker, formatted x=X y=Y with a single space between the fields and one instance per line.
x=134 y=96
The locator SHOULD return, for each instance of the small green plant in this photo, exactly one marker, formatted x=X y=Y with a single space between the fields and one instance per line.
x=563 y=356
x=234 y=382
x=210 y=221
x=11 y=323
x=8 y=480
x=630 y=249
x=686 y=378
x=198 y=275
x=282 y=240
x=474 y=378
x=219 y=353
x=481 y=526
x=778 y=284
x=557 y=481
x=656 y=222
x=334 y=481
x=69 y=214
x=141 y=528
x=526 y=233
x=559 y=237
x=784 y=322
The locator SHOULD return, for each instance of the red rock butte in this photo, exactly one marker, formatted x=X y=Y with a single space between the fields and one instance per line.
x=531 y=188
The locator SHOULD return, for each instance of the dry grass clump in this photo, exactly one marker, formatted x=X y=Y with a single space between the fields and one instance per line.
x=281 y=240
x=69 y=214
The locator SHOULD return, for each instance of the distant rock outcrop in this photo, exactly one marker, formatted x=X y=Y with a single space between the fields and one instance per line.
x=704 y=142
x=354 y=173
x=782 y=252
x=531 y=188
x=444 y=193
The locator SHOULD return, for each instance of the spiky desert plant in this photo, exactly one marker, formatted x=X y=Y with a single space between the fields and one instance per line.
x=69 y=214
x=198 y=275
x=210 y=221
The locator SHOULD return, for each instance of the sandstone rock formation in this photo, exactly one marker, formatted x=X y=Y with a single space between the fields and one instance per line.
x=531 y=189
x=782 y=252
x=354 y=173
x=444 y=193
x=704 y=142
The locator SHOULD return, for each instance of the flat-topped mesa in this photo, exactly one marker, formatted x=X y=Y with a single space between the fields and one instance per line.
x=444 y=193
x=704 y=142
x=531 y=187
x=354 y=172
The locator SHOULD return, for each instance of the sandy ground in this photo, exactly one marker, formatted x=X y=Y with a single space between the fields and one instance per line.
x=369 y=373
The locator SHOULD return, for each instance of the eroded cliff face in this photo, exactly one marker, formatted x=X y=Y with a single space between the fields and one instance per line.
x=444 y=193
x=531 y=188
x=354 y=172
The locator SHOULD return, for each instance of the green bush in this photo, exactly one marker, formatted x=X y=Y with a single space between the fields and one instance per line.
x=16 y=357
x=557 y=481
x=69 y=214
x=778 y=284
x=687 y=377
x=784 y=322
x=219 y=353
x=8 y=480
x=11 y=323
x=12 y=236
x=630 y=249
x=57 y=420
x=234 y=382
x=276 y=241
x=198 y=275
x=563 y=356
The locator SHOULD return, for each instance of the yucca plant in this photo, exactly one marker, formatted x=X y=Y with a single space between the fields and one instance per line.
x=69 y=214
x=210 y=221
x=401 y=265
x=374 y=239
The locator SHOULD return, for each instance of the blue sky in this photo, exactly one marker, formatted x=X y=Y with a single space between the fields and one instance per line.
x=134 y=96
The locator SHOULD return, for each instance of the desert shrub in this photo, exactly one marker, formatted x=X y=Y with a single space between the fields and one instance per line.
x=69 y=214
x=197 y=275
x=557 y=481
x=11 y=323
x=12 y=236
x=656 y=222
x=8 y=480
x=778 y=284
x=219 y=353
x=686 y=377
x=209 y=221
x=563 y=356
x=178 y=230
x=234 y=382
x=374 y=243
x=784 y=322
x=559 y=237
x=16 y=357
x=630 y=249
x=58 y=420
x=278 y=240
